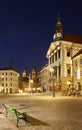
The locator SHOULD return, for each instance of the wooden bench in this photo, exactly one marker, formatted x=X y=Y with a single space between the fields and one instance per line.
x=13 y=111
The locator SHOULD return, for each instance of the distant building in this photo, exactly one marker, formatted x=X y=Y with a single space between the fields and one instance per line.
x=35 y=77
x=34 y=73
x=9 y=80
x=24 y=81
x=25 y=73
x=59 y=55
x=44 y=75
x=29 y=82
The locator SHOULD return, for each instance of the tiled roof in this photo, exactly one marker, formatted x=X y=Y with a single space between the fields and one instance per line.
x=72 y=38
x=78 y=53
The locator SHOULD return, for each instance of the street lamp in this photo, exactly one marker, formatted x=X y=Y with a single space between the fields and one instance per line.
x=52 y=80
x=30 y=84
x=29 y=88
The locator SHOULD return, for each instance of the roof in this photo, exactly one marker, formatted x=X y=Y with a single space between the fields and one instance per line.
x=72 y=38
x=78 y=53
x=5 y=68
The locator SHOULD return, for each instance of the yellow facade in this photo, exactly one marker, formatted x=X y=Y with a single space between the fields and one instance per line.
x=77 y=69
x=59 y=58
x=9 y=81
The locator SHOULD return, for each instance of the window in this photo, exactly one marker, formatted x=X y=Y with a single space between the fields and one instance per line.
x=6 y=84
x=80 y=61
x=55 y=71
x=59 y=53
x=56 y=56
x=68 y=53
x=2 y=79
x=59 y=70
x=2 y=73
x=68 y=70
x=11 y=84
x=53 y=59
x=11 y=73
x=3 y=84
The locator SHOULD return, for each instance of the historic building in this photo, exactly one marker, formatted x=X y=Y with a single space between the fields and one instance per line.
x=24 y=81
x=44 y=75
x=77 y=68
x=59 y=55
x=29 y=82
x=35 y=77
x=9 y=80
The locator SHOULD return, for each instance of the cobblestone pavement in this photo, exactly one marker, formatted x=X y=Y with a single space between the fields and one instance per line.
x=46 y=112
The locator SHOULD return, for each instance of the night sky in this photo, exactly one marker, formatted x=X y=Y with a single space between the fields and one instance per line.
x=27 y=26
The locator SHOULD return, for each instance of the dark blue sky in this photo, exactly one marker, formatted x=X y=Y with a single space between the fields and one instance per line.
x=26 y=29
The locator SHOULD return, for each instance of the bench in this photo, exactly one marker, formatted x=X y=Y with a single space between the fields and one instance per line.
x=11 y=110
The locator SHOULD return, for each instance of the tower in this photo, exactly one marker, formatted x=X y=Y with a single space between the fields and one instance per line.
x=58 y=33
x=34 y=73
x=24 y=73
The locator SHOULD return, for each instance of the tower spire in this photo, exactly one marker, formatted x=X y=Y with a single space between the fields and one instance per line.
x=58 y=14
x=58 y=33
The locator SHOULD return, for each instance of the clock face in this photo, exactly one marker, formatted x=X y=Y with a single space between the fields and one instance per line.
x=58 y=34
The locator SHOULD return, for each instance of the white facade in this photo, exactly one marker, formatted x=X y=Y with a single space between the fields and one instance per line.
x=59 y=58
x=9 y=81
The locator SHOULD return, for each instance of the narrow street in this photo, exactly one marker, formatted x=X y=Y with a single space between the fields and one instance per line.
x=46 y=112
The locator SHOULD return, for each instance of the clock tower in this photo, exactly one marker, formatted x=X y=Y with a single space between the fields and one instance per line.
x=58 y=33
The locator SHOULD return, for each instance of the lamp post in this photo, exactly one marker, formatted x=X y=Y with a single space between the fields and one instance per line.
x=30 y=84
x=52 y=70
x=29 y=88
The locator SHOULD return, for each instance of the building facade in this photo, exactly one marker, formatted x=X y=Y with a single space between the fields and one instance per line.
x=9 y=80
x=24 y=81
x=44 y=75
x=59 y=55
x=77 y=68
